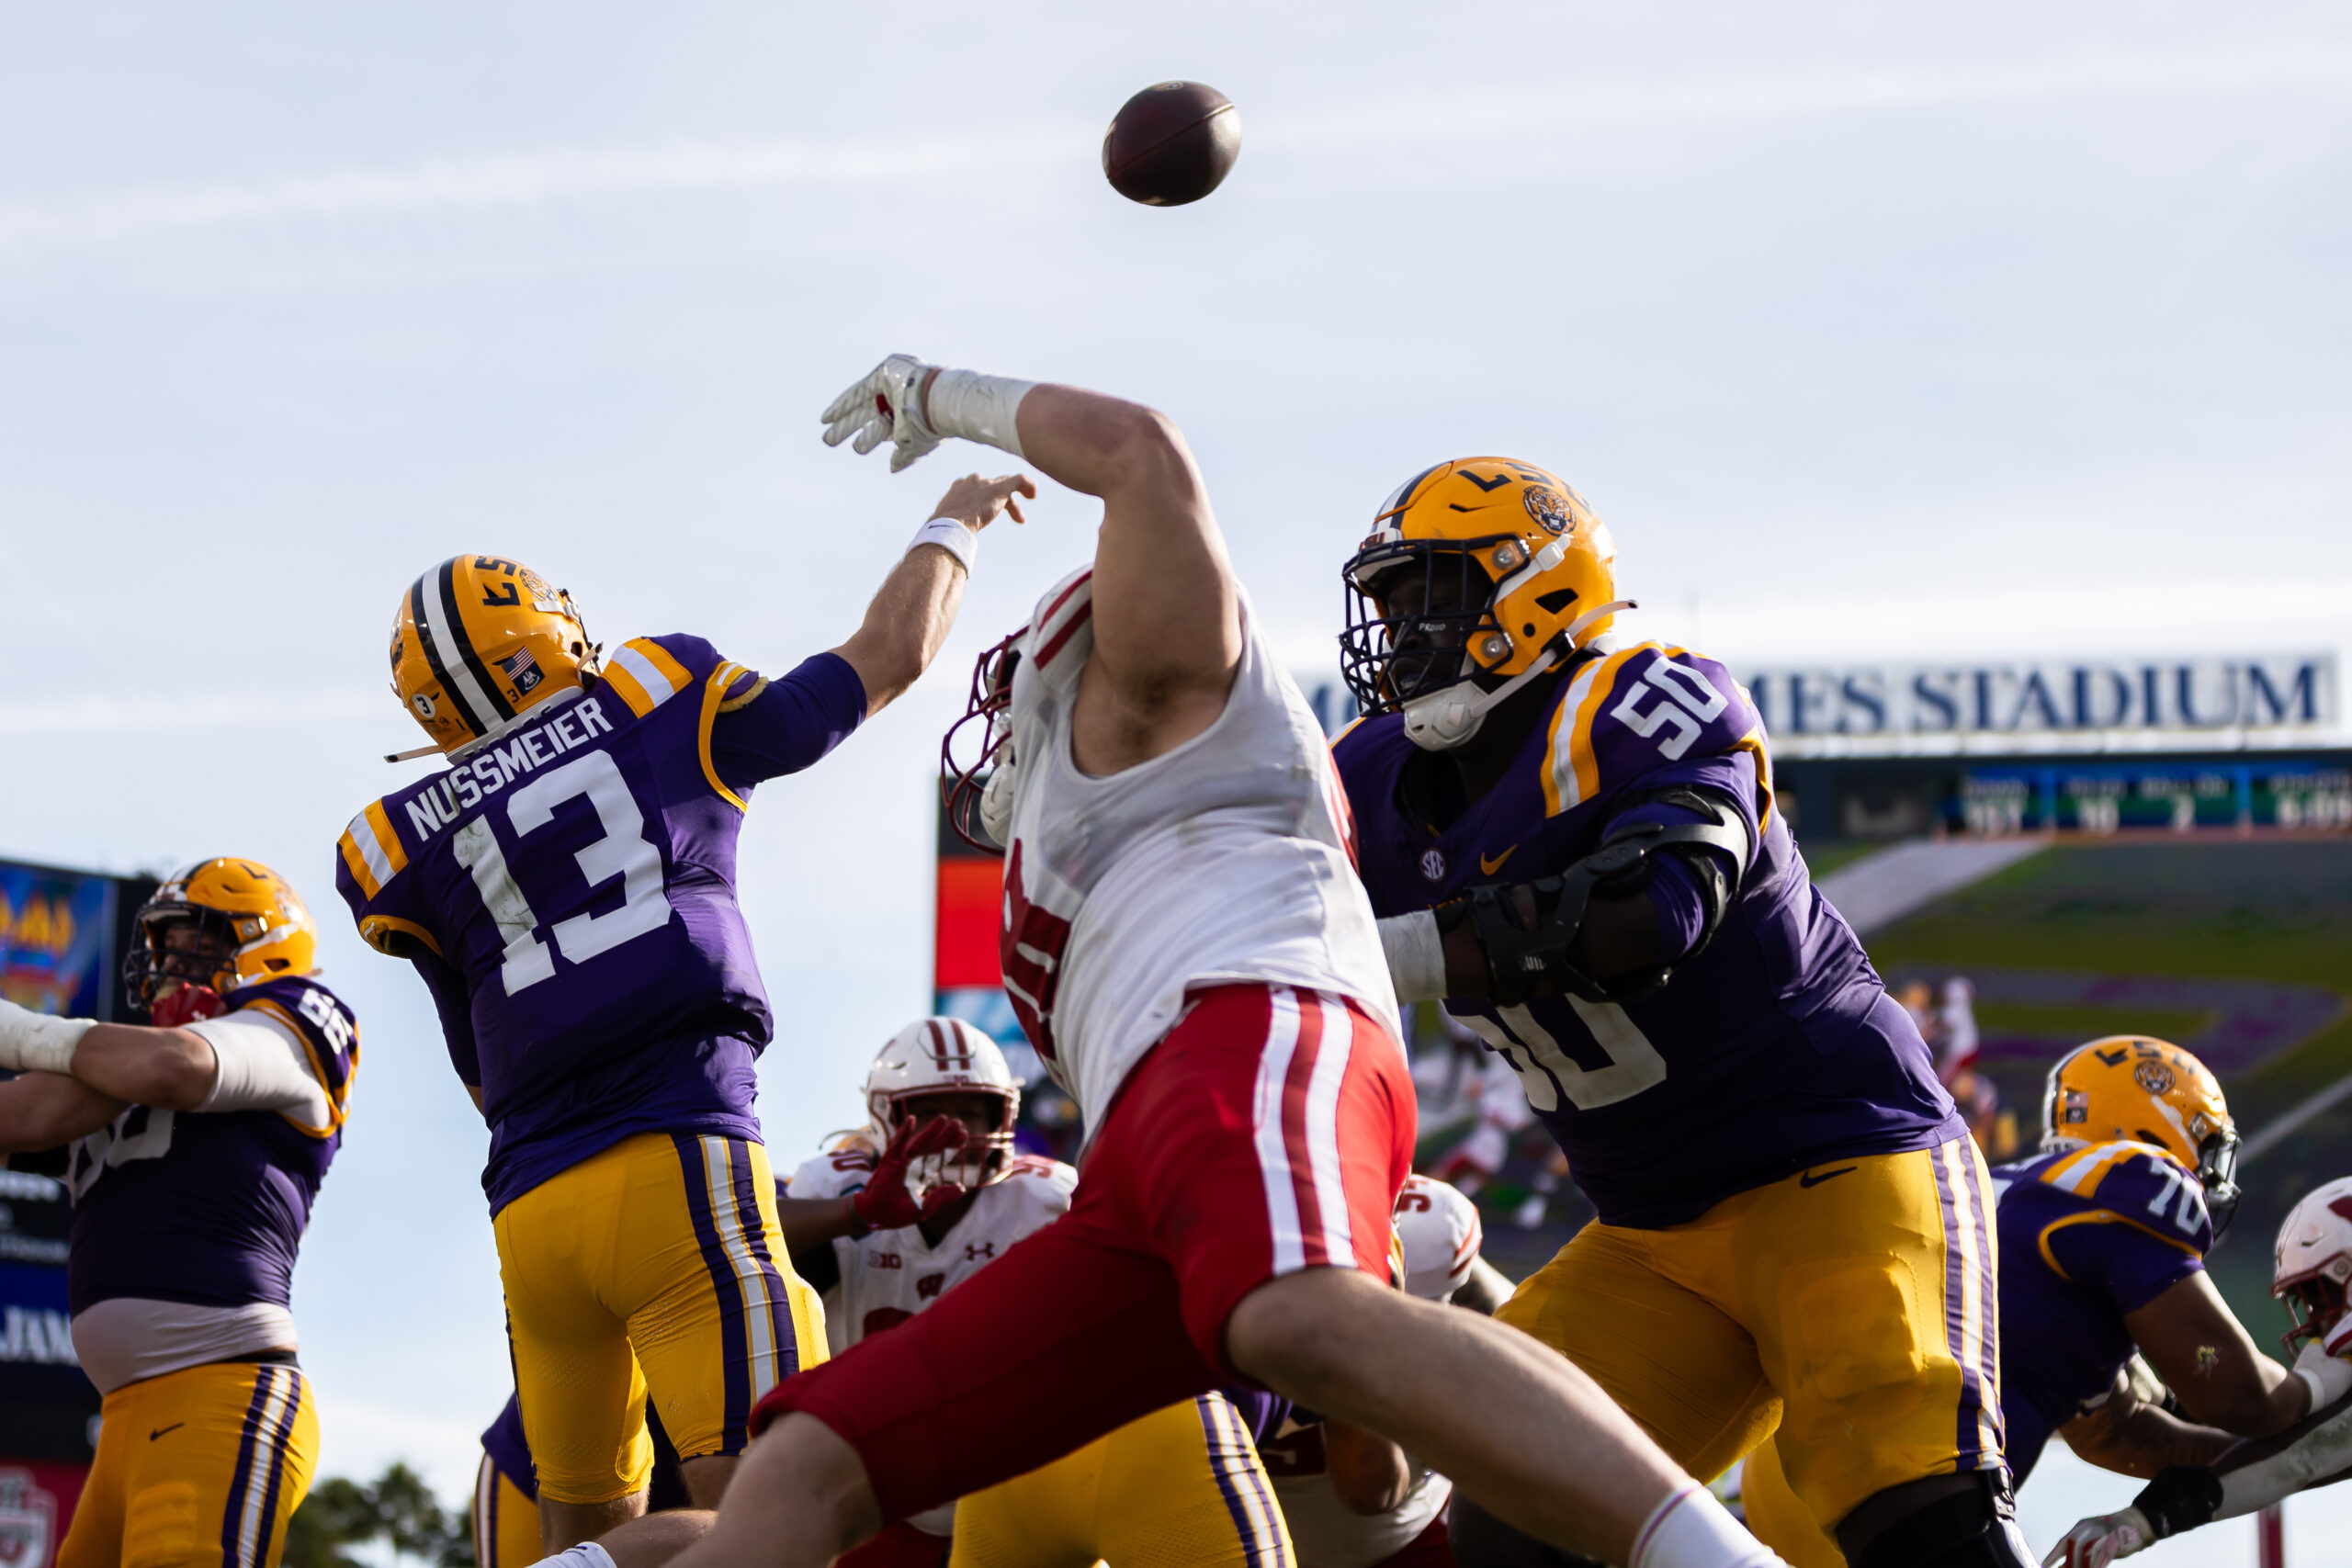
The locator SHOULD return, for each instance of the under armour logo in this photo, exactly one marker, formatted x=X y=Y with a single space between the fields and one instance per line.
x=976 y=1251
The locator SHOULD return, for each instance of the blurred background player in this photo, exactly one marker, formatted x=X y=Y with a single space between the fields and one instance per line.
x=1758 y=1122
x=566 y=890
x=2103 y=1238
x=886 y=1235
x=1354 y=1499
x=1189 y=953
x=2312 y=1263
x=200 y=1144
x=507 y=1489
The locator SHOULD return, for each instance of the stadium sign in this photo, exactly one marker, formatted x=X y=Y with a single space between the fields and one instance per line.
x=2049 y=703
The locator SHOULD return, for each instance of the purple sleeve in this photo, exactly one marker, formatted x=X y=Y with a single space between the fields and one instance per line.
x=2122 y=1262
x=791 y=723
x=456 y=1007
x=1673 y=889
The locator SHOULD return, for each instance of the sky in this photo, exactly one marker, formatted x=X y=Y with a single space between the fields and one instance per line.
x=1873 y=331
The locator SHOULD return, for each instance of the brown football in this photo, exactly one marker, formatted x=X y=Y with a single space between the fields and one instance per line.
x=1172 y=143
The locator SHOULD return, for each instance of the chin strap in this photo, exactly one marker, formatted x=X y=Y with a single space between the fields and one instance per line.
x=1444 y=720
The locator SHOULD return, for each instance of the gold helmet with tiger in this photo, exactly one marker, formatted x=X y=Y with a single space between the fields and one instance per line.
x=2137 y=1089
x=1479 y=575
x=250 y=925
x=478 y=640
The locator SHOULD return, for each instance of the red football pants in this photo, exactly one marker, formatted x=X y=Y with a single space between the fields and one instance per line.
x=1267 y=1133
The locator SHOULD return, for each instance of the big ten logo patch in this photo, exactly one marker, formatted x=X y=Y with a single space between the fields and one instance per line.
x=884 y=1260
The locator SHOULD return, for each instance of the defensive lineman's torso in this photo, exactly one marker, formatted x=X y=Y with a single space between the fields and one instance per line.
x=1656 y=1100
x=1223 y=860
x=886 y=1277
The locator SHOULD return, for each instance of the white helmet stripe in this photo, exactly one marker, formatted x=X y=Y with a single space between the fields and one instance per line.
x=447 y=651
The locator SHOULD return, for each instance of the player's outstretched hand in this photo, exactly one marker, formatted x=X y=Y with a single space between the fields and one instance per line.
x=886 y=405
x=2098 y=1542
x=975 y=502
x=885 y=1204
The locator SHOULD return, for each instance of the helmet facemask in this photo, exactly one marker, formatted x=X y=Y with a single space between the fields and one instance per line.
x=180 y=944
x=984 y=1153
x=978 y=794
x=2314 y=1306
x=2217 y=1169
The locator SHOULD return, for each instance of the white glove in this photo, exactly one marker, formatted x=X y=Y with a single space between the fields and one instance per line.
x=2329 y=1378
x=2096 y=1543
x=36 y=1041
x=885 y=406
x=915 y=406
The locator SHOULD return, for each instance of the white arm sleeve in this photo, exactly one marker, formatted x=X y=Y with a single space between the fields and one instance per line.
x=1416 y=956
x=261 y=1067
x=2323 y=1451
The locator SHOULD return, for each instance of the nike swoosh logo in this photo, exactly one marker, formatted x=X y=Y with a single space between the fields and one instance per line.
x=161 y=1430
x=1809 y=1180
x=1496 y=864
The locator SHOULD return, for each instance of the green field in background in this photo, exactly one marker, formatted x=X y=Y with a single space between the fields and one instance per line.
x=2278 y=910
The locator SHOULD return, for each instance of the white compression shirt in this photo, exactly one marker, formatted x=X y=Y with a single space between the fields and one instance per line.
x=1224 y=860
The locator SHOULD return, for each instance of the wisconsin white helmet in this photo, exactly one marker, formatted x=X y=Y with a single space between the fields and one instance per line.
x=2314 y=1268
x=1438 y=1233
x=943 y=1055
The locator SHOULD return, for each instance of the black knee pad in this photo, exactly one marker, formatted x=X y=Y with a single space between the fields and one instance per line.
x=1976 y=1528
x=1481 y=1540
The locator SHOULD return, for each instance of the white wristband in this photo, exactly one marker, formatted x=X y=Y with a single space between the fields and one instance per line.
x=38 y=1042
x=587 y=1555
x=949 y=535
x=1416 y=956
x=977 y=407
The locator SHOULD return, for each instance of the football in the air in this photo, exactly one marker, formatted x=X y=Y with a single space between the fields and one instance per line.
x=1172 y=143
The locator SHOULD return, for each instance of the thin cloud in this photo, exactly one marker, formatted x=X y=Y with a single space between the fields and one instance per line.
x=508 y=182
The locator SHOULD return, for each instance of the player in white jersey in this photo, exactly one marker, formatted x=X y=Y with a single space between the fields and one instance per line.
x=1353 y=1500
x=895 y=1218
x=1190 y=951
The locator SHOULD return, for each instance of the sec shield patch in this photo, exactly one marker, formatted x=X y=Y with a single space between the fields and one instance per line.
x=1433 y=864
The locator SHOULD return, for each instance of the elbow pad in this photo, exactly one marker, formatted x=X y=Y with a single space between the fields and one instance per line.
x=259 y=1065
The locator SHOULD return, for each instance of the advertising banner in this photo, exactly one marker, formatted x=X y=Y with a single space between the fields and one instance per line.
x=56 y=939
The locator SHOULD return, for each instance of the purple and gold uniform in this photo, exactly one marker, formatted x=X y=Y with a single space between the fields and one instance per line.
x=2086 y=1237
x=567 y=889
x=185 y=1228
x=1794 y=1227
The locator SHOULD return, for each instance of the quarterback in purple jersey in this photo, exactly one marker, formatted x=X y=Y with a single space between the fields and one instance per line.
x=198 y=1145
x=1573 y=843
x=566 y=888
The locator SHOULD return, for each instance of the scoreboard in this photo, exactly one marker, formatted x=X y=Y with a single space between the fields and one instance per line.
x=2252 y=793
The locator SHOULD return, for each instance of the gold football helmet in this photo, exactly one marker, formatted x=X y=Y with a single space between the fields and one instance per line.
x=249 y=924
x=2144 y=1090
x=479 y=639
x=1479 y=575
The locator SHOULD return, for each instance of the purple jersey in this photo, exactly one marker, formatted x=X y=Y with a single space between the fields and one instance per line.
x=208 y=1207
x=510 y=1451
x=568 y=891
x=2086 y=1237
x=1773 y=1048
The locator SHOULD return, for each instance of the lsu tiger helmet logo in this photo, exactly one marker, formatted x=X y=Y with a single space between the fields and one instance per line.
x=2137 y=1089
x=1479 y=575
x=478 y=641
